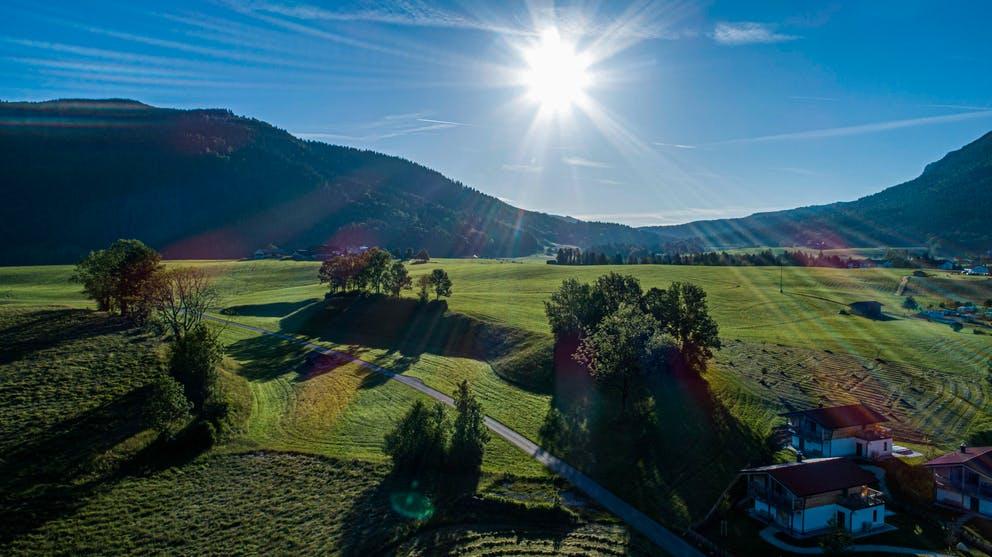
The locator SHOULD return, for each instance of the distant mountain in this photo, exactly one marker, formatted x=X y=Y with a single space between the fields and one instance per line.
x=950 y=202
x=78 y=174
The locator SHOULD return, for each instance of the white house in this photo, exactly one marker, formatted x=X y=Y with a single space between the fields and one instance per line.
x=851 y=430
x=981 y=270
x=811 y=497
x=963 y=479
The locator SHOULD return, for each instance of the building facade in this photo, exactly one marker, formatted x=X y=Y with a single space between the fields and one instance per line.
x=815 y=496
x=963 y=479
x=853 y=430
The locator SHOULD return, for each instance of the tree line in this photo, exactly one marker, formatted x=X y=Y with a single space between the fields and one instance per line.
x=376 y=271
x=128 y=279
x=797 y=258
x=625 y=333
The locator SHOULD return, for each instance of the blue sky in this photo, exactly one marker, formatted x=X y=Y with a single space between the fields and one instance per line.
x=688 y=110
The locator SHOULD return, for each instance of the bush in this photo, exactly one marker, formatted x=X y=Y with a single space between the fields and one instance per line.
x=193 y=360
x=420 y=440
x=957 y=326
x=167 y=409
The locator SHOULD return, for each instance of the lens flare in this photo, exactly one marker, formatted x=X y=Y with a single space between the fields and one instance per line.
x=556 y=75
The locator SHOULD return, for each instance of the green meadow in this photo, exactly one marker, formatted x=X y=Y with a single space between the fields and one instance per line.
x=788 y=342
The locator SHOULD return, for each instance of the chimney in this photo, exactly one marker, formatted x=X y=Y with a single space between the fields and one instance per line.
x=799 y=456
x=963 y=448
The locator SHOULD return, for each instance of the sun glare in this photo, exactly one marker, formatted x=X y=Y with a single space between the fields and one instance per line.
x=556 y=75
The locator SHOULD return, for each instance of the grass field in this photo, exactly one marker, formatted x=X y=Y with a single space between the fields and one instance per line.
x=783 y=350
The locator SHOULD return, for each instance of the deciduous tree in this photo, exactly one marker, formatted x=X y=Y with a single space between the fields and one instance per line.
x=419 y=441
x=122 y=278
x=183 y=296
x=397 y=279
x=440 y=283
x=193 y=360
x=167 y=408
x=470 y=435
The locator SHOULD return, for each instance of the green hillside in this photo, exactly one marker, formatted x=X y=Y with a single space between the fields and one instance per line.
x=947 y=204
x=782 y=350
x=80 y=174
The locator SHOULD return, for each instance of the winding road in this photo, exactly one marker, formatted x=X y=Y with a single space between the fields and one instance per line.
x=661 y=536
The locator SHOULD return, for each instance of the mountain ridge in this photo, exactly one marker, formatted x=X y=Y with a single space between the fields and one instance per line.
x=206 y=183
x=945 y=205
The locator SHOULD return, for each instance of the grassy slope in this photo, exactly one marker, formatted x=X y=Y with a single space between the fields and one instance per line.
x=798 y=336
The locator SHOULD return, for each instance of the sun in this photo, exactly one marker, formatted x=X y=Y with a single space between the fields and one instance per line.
x=556 y=76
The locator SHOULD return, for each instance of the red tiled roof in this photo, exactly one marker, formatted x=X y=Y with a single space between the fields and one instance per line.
x=977 y=458
x=819 y=475
x=837 y=417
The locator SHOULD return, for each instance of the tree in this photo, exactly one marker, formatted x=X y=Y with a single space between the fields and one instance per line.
x=682 y=312
x=121 y=278
x=626 y=344
x=182 y=298
x=423 y=287
x=375 y=264
x=440 y=283
x=910 y=303
x=612 y=290
x=193 y=360
x=838 y=541
x=468 y=441
x=167 y=408
x=397 y=279
x=408 y=254
x=423 y=256
x=570 y=310
x=419 y=441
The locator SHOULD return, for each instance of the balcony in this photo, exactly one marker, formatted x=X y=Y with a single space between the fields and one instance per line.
x=874 y=433
x=977 y=489
x=777 y=500
x=865 y=498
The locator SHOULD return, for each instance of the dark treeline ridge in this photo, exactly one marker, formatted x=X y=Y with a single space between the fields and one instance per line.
x=798 y=258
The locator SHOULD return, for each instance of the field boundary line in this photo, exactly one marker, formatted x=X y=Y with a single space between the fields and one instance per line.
x=645 y=525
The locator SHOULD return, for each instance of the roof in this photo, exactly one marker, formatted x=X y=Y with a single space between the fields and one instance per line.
x=836 y=417
x=977 y=458
x=817 y=475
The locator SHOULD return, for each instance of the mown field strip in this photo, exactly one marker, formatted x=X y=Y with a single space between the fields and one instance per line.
x=655 y=532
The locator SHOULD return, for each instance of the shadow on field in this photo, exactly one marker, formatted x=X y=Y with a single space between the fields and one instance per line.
x=671 y=455
x=275 y=309
x=407 y=329
x=44 y=329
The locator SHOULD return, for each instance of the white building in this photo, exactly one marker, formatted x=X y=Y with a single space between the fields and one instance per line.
x=851 y=430
x=963 y=479
x=811 y=497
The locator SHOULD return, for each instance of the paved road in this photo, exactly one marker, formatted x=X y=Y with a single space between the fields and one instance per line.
x=637 y=520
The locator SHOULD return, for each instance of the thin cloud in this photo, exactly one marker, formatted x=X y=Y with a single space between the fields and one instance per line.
x=609 y=182
x=386 y=127
x=675 y=145
x=529 y=168
x=675 y=216
x=862 y=129
x=748 y=32
x=432 y=121
x=584 y=162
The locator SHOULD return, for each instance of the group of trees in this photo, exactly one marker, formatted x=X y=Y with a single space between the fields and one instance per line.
x=375 y=271
x=797 y=258
x=372 y=271
x=624 y=332
x=426 y=441
x=129 y=279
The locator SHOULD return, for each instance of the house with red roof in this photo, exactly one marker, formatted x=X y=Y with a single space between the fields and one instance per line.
x=812 y=497
x=963 y=479
x=853 y=430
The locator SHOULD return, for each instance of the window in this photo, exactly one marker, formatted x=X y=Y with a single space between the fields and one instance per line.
x=885 y=446
x=874 y=515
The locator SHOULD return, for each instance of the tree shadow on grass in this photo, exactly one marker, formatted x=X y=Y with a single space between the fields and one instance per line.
x=41 y=330
x=406 y=329
x=274 y=309
x=53 y=475
x=670 y=456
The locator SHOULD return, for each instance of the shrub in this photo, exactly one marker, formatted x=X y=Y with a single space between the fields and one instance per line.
x=167 y=409
x=957 y=326
x=420 y=439
x=468 y=441
x=193 y=360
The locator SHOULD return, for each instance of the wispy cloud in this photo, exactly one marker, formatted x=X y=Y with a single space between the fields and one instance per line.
x=674 y=145
x=675 y=215
x=398 y=12
x=861 y=129
x=610 y=182
x=584 y=162
x=385 y=127
x=748 y=32
x=531 y=167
